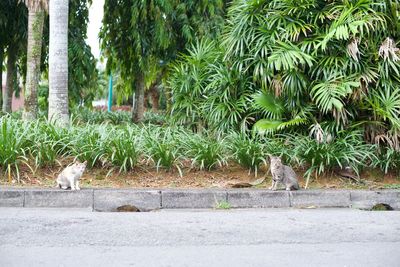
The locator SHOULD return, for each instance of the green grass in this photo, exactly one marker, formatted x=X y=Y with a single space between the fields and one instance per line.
x=248 y=152
x=223 y=205
x=391 y=186
x=126 y=146
x=163 y=147
x=205 y=152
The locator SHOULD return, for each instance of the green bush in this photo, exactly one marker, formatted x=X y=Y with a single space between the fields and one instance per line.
x=205 y=152
x=162 y=147
x=247 y=151
x=82 y=115
x=13 y=143
x=46 y=143
x=157 y=118
x=123 y=148
x=388 y=159
x=347 y=149
x=88 y=143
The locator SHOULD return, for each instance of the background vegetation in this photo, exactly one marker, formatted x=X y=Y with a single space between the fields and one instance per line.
x=316 y=82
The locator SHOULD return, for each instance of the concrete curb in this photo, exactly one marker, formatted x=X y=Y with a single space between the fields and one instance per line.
x=192 y=199
x=248 y=198
x=151 y=199
x=111 y=199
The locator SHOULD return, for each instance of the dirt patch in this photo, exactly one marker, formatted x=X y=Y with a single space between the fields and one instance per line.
x=225 y=177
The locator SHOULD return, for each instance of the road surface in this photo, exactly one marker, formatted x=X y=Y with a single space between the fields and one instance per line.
x=261 y=237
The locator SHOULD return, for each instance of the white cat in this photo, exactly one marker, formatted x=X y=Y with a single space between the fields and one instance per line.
x=70 y=176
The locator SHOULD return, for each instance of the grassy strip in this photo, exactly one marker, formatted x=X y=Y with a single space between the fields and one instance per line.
x=122 y=147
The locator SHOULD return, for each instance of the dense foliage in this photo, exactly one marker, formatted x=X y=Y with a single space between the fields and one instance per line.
x=82 y=72
x=319 y=66
x=140 y=37
x=207 y=92
x=316 y=82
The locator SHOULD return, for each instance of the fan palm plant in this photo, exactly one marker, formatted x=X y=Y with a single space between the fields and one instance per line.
x=331 y=62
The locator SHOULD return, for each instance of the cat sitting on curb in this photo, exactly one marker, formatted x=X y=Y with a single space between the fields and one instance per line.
x=283 y=174
x=70 y=176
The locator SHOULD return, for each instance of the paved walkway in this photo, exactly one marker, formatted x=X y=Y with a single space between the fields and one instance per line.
x=257 y=237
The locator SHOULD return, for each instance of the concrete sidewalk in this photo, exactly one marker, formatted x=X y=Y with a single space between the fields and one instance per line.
x=151 y=199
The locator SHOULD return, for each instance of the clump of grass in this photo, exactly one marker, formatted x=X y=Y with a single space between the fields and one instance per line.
x=13 y=144
x=123 y=148
x=347 y=149
x=206 y=152
x=391 y=186
x=84 y=115
x=89 y=143
x=163 y=148
x=223 y=205
x=43 y=148
x=281 y=146
x=155 y=118
x=381 y=207
x=388 y=159
x=247 y=151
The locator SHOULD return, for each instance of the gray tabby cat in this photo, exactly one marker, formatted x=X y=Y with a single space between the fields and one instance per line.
x=70 y=176
x=283 y=174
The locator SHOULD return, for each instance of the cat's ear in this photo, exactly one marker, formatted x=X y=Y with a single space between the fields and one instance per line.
x=85 y=162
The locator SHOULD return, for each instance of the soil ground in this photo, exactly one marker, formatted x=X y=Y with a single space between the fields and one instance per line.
x=225 y=177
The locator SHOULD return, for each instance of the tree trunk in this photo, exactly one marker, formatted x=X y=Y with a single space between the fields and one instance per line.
x=58 y=63
x=35 y=33
x=1 y=74
x=138 y=104
x=168 y=98
x=155 y=97
x=146 y=100
x=10 y=80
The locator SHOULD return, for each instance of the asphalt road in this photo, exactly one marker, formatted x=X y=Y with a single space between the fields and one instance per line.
x=265 y=237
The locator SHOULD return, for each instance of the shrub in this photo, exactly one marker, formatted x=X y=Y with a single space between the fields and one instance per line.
x=347 y=149
x=13 y=143
x=387 y=160
x=45 y=143
x=157 y=118
x=205 y=152
x=123 y=148
x=162 y=147
x=88 y=143
x=83 y=115
x=247 y=151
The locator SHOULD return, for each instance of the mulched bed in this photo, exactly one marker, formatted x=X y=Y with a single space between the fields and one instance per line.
x=226 y=177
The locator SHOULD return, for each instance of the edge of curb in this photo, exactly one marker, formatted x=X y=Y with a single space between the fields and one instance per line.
x=104 y=199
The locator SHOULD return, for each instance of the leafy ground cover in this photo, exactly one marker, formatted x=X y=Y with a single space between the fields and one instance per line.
x=149 y=155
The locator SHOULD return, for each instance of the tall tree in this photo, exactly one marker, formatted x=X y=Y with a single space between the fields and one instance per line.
x=58 y=62
x=138 y=34
x=10 y=78
x=15 y=40
x=82 y=72
x=1 y=73
x=36 y=9
x=3 y=24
